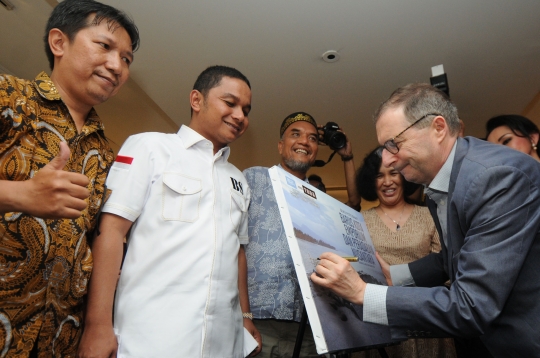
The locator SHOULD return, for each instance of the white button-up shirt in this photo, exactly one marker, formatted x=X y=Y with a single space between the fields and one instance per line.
x=178 y=291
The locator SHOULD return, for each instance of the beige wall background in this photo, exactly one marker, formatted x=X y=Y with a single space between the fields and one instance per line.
x=490 y=50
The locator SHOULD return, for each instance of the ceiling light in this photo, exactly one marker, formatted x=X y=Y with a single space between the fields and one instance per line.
x=330 y=56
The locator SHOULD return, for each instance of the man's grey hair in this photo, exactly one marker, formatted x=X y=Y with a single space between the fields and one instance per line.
x=419 y=99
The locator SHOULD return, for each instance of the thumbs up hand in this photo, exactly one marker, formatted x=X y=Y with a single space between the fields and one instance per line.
x=54 y=193
x=59 y=162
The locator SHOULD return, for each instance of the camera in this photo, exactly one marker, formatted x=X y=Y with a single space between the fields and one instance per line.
x=332 y=137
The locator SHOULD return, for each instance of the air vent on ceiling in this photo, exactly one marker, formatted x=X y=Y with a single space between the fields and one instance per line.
x=330 y=56
x=7 y=4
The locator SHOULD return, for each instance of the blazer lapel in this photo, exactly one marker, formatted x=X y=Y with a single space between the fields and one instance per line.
x=433 y=210
x=432 y=206
x=453 y=242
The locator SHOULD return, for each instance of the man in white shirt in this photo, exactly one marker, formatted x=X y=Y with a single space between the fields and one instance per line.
x=183 y=286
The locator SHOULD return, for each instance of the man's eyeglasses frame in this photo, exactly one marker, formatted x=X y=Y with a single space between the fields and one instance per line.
x=391 y=146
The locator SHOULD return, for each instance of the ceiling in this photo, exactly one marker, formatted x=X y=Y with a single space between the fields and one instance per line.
x=490 y=50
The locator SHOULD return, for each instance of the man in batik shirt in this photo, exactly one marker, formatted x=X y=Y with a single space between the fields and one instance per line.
x=53 y=162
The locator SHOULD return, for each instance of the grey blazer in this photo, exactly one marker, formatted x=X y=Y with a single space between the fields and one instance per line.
x=492 y=257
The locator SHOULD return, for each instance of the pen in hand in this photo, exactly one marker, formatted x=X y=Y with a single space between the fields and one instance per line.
x=348 y=258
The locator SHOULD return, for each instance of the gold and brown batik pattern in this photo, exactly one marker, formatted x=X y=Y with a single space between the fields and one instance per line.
x=45 y=265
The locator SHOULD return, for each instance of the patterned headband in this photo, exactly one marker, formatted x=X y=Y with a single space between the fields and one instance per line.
x=296 y=117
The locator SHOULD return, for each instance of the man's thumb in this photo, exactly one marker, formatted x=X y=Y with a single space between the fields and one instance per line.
x=59 y=162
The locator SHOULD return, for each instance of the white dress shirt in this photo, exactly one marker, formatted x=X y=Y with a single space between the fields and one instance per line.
x=178 y=291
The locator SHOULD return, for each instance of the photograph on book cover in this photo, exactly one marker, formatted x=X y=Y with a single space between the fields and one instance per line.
x=315 y=223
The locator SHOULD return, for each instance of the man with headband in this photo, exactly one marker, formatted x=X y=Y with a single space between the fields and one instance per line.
x=275 y=297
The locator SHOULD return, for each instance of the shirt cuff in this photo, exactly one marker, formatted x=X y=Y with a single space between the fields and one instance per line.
x=121 y=211
x=401 y=275
x=375 y=304
x=244 y=240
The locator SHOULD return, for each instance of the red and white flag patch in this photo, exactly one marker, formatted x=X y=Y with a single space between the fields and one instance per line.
x=122 y=162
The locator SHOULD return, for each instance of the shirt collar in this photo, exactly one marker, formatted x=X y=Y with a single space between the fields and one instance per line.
x=306 y=179
x=191 y=137
x=46 y=89
x=441 y=182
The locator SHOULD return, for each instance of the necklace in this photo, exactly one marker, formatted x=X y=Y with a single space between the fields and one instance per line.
x=395 y=222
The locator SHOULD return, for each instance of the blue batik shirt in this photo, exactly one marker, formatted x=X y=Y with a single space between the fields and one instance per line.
x=272 y=282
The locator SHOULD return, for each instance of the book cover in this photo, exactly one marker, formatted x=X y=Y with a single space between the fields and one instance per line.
x=315 y=223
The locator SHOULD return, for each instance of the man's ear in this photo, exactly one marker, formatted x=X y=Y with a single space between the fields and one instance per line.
x=196 y=100
x=57 y=42
x=461 y=128
x=440 y=126
x=280 y=146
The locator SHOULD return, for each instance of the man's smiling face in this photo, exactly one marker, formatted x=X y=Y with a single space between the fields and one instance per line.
x=93 y=65
x=298 y=146
x=224 y=112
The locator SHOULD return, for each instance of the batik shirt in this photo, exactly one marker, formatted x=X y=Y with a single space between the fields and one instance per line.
x=45 y=264
x=272 y=283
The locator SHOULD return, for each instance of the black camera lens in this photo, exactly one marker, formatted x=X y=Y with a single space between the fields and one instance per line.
x=332 y=137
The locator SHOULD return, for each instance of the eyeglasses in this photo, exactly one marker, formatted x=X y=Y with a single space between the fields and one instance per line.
x=391 y=146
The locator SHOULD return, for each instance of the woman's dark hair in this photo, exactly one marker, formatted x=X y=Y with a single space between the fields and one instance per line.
x=519 y=125
x=366 y=176
x=71 y=16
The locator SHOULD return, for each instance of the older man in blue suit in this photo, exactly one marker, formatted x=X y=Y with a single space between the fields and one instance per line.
x=485 y=200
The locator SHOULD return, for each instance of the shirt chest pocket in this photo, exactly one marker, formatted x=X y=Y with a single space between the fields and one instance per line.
x=238 y=209
x=181 y=197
